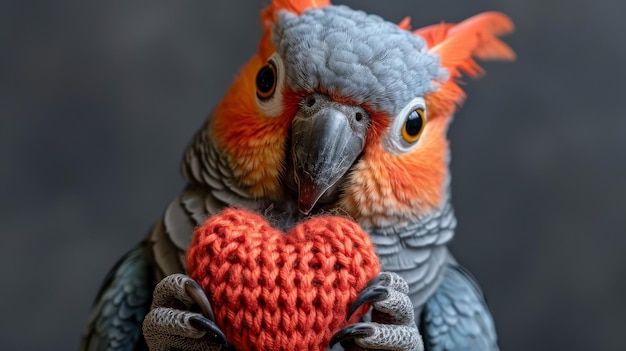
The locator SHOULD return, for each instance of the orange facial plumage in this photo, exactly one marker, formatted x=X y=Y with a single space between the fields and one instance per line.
x=254 y=143
x=385 y=188
x=381 y=185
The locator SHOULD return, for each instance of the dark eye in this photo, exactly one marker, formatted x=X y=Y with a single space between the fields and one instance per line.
x=266 y=81
x=414 y=125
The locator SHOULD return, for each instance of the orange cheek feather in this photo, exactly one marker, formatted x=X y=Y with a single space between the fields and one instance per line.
x=253 y=143
x=385 y=188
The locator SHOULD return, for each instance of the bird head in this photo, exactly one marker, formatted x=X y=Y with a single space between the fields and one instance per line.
x=344 y=110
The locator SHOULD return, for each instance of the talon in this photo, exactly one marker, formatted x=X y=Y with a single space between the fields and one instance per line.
x=371 y=293
x=214 y=333
x=199 y=297
x=359 y=330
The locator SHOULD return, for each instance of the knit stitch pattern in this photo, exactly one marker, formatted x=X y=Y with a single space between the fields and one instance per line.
x=277 y=291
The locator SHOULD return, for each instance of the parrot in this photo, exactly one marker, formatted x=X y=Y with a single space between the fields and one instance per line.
x=339 y=111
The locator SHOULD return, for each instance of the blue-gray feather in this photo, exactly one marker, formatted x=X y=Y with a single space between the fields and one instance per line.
x=121 y=305
x=355 y=55
x=456 y=316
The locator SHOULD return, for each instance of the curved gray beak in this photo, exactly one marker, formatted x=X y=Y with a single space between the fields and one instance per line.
x=327 y=137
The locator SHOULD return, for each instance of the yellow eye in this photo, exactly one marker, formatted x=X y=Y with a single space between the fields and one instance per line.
x=266 y=81
x=414 y=125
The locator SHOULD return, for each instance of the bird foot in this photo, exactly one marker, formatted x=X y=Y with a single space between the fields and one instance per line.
x=393 y=322
x=181 y=318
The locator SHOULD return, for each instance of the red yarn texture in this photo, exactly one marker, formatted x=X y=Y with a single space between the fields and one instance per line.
x=276 y=291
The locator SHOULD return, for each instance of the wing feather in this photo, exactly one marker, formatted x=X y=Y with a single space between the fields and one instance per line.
x=123 y=301
x=456 y=317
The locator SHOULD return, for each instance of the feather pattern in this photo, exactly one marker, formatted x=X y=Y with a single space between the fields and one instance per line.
x=268 y=18
x=417 y=250
x=212 y=187
x=458 y=44
x=121 y=304
x=474 y=37
x=456 y=317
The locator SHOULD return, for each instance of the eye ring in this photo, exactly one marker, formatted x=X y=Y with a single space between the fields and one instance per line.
x=414 y=126
x=269 y=85
x=266 y=81
x=407 y=127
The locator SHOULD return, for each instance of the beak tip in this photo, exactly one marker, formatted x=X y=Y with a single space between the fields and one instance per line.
x=305 y=205
x=309 y=193
x=303 y=210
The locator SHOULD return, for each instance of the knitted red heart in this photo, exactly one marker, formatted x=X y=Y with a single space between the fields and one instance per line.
x=272 y=291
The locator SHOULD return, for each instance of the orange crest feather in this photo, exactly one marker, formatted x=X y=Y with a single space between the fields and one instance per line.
x=458 y=44
x=268 y=17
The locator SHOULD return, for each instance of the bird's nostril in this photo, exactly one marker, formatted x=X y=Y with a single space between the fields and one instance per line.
x=310 y=102
x=358 y=116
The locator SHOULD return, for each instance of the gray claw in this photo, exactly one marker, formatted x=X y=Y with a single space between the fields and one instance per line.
x=358 y=330
x=372 y=293
x=196 y=293
x=213 y=332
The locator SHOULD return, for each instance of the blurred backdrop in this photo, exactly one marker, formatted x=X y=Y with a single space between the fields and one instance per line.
x=99 y=99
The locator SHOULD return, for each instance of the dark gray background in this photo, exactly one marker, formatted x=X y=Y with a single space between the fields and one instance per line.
x=98 y=101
